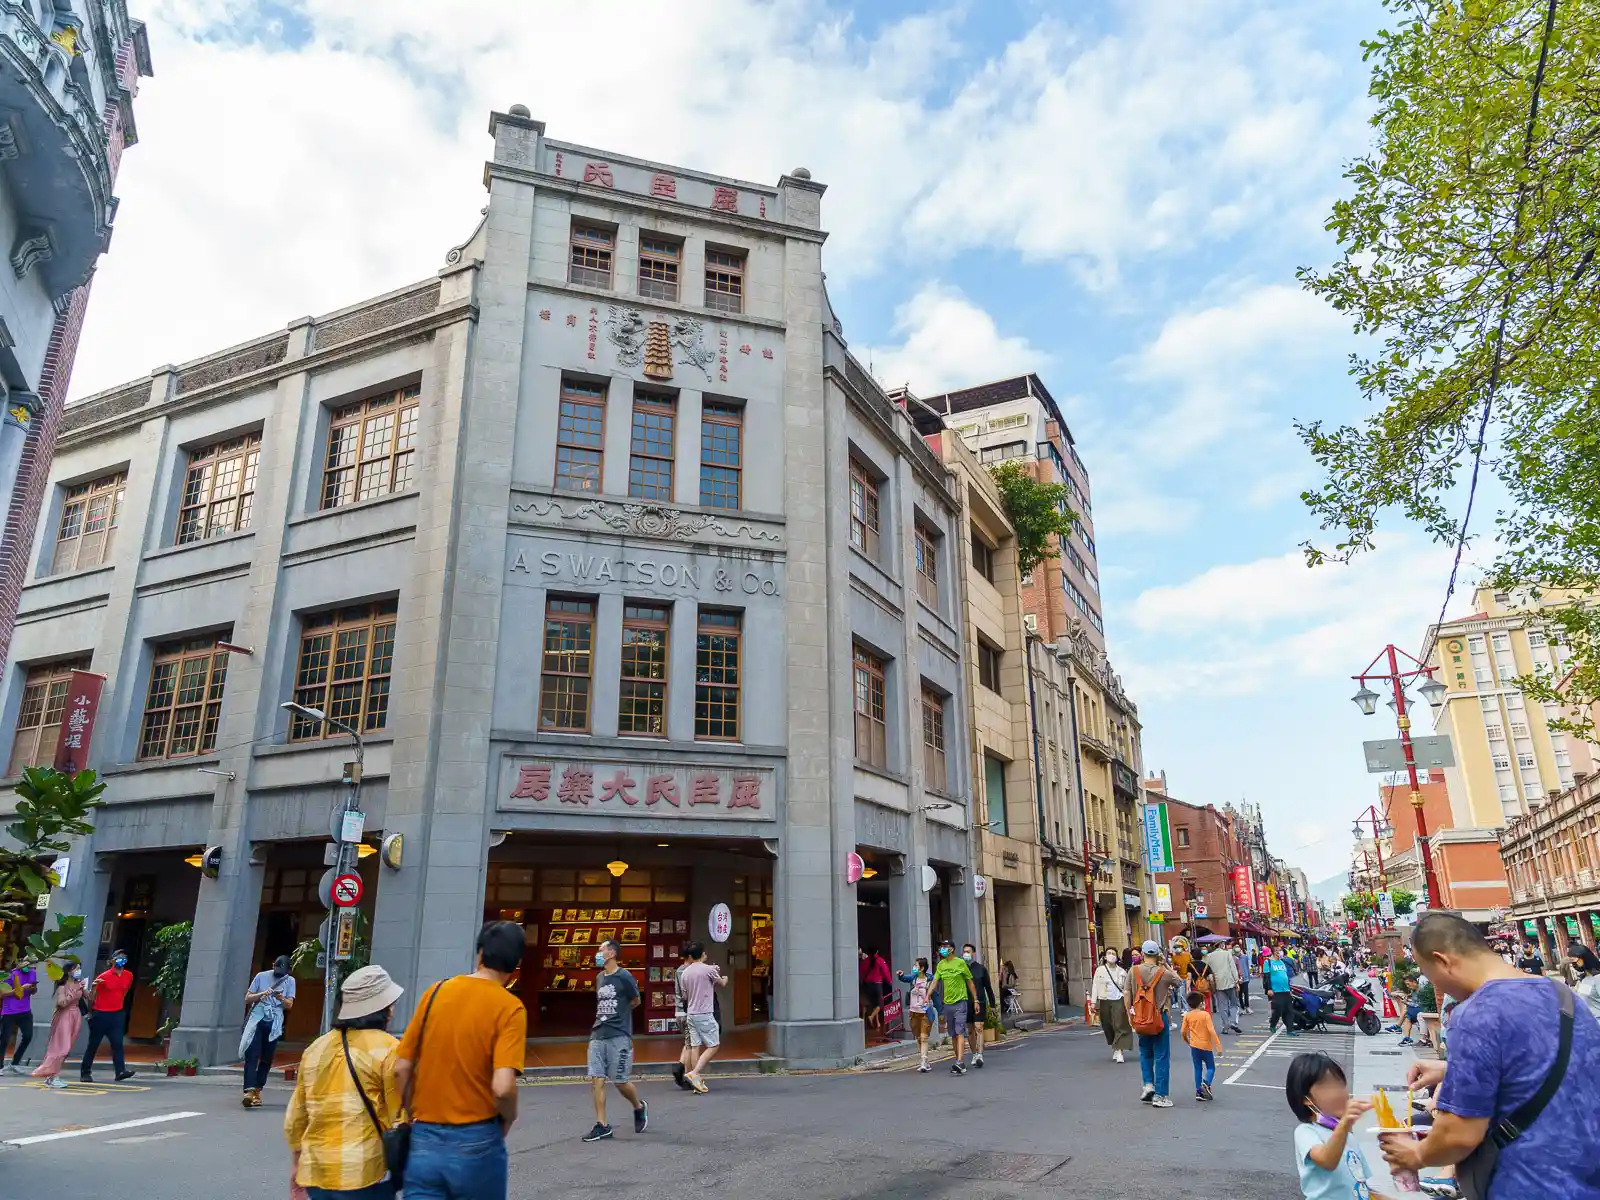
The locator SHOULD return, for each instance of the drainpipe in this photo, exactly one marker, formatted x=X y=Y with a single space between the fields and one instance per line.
x=1083 y=810
x=1029 y=640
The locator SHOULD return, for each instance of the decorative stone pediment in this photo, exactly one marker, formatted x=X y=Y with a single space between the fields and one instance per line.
x=646 y=520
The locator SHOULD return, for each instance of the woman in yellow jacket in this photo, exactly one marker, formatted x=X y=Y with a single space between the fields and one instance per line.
x=335 y=1148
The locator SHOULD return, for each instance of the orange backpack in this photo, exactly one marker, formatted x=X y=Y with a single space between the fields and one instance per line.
x=1144 y=1016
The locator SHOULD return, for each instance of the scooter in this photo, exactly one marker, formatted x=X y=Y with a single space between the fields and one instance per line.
x=1341 y=1002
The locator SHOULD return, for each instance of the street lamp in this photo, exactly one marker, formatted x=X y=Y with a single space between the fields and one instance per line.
x=1433 y=692
x=1366 y=699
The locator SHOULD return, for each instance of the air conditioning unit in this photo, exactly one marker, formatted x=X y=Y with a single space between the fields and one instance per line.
x=1030 y=622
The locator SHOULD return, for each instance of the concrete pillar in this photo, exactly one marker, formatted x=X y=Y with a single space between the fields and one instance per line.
x=1586 y=928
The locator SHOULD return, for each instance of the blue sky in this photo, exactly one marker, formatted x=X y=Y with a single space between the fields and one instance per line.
x=1114 y=195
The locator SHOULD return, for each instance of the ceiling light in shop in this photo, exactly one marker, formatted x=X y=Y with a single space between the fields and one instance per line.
x=617 y=867
x=869 y=873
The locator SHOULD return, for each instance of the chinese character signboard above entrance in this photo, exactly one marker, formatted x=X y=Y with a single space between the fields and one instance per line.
x=637 y=789
x=1157 y=839
x=1243 y=894
x=77 y=721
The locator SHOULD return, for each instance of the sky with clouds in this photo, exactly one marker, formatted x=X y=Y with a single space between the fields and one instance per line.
x=1115 y=195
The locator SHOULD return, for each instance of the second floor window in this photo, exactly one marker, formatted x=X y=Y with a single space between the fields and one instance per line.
x=346 y=660
x=643 y=690
x=989 y=667
x=591 y=256
x=184 y=703
x=863 y=511
x=721 y=454
x=724 y=281
x=872 y=728
x=372 y=448
x=88 y=524
x=567 y=665
x=44 y=699
x=928 y=566
x=982 y=557
x=219 y=489
x=658 y=267
x=933 y=755
x=580 y=436
x=655 y=424
x=716 y=676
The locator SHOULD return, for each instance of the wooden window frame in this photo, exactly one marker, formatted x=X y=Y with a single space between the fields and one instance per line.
x=78 y=547
x=44 y=701
x=870 y=700
x=717 y=632
x=580 y=447
x=990 y=660
x=935 y=760
x=721 y=454
x=866 y=511
x=185 y=692
x=649 y=689
x=982 y=556
x=380 y=457
x=570 y=618
x=660 y=267
x=325 y=676
x=927 y=551
x=725 y=272
x=654 y=414
x=219 y=489
x=591 y=255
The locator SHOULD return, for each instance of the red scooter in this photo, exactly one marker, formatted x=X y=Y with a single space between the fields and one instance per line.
x=1341 y=1002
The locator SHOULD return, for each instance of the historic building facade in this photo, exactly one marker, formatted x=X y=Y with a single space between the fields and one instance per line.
x=1552 y=857
x=606 y=547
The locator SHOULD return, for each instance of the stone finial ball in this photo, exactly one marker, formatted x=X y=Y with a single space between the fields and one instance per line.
x=801 y=173
x=519 y=110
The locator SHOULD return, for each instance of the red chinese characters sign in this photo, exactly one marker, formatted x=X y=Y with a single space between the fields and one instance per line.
x=77 y=720
x=1261 y=897
x=1243 y=894
x=643 y=789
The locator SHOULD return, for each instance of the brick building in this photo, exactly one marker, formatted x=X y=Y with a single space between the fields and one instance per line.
x=1207 y=845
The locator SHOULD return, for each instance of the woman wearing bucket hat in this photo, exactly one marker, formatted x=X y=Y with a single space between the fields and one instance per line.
x=346 y=1092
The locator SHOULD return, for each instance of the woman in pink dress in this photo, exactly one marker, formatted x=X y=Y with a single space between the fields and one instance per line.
x=64 y=1027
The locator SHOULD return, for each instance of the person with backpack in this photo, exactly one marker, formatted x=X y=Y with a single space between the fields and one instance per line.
x=1150 y=987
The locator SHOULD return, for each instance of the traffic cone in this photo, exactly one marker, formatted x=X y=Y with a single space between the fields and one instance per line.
x=1390 y=1013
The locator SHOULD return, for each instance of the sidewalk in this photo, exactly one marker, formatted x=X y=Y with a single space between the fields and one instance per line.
x=1380 y=1065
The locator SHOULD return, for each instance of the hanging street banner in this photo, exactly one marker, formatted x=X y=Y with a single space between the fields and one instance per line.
x=1157 y=839
x=77 y=720
x=1243 y=893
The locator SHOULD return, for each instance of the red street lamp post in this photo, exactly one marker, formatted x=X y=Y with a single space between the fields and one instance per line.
x=1380 y=829
x=1432 y=691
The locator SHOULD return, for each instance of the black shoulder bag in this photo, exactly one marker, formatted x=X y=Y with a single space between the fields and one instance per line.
x=1475 y=1173
x=396 y=1141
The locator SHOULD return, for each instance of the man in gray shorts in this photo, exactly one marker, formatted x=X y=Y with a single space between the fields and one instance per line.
x=611 y=1041
x=700 y=981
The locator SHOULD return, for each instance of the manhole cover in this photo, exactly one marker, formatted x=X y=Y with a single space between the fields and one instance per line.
x=1011 y=1168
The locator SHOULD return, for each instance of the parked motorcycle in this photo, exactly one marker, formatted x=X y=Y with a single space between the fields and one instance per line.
x=1341 y=1001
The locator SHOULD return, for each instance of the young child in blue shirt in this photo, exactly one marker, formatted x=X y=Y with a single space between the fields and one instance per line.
x=1331 y=1166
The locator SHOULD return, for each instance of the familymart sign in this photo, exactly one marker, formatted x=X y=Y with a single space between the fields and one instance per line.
x=1157 y=838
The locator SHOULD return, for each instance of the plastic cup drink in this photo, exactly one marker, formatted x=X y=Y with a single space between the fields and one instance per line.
x=1405 y=1180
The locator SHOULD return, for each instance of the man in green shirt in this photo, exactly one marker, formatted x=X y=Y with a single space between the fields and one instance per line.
x=952 y=978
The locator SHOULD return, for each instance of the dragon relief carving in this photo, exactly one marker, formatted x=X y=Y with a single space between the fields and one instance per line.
x=658 y=344
x=646 y=520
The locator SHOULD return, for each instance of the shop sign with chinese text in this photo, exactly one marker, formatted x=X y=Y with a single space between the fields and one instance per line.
x=637 y=789
x=77 y=720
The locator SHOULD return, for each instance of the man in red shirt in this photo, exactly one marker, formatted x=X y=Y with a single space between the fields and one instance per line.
x=107 y=1016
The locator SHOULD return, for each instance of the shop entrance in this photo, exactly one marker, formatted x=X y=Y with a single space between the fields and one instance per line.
x=147 y=892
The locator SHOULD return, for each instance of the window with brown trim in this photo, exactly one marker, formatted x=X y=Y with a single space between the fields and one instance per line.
x=346 y=660
x=927 y=566
x=88 y=524
x=659 y=259
x=44 y=699
x=721 y=454
x=989 y=667
x=872 y=729
x=724 y=281
x=982 y=556
x=934 y=768
x=219 y=489
x=863 y=511
x=567 y=667
x=372 y=448
x=655 y=430
x=592 y=249
x=580 y=436
x=716 y=675
x=642 y=706
x=184 y=702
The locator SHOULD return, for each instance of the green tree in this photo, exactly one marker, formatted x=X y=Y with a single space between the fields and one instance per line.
x=1469 y=242
x=1037 y=510
x=52 y=808
x=170 y=958
x=1404 y=900
x=1359 y=904
x=303 y=958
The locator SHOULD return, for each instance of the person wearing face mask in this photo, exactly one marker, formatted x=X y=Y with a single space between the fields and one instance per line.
x=269 y=996
x=64 y=1027
x=982 y=1000
x=616 y=995
x=1107 y=994
x=107 y=1018
x=952 y=982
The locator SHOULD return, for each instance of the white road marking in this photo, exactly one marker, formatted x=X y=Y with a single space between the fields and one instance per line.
x=1250 y=1062
x=1271 y=1087
x=74 y=1133
x=145 y=1137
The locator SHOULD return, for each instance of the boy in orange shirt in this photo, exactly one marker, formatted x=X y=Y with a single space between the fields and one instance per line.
x=1204 y=1043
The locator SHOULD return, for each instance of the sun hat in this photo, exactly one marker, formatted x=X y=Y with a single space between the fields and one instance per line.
x=367 y=991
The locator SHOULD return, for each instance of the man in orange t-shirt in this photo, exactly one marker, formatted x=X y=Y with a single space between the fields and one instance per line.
x=457 y=1067
x=108 y=1017
x=1204 y=1043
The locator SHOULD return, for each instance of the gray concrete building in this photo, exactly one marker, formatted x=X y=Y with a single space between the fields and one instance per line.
x=604 y=544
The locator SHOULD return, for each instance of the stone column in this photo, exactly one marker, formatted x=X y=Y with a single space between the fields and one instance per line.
x=1586 y=927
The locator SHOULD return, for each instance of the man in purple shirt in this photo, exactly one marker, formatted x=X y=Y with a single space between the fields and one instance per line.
x=1504 y=1041
x=16 y=1012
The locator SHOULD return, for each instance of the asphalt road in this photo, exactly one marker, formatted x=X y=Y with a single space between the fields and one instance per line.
x=1050 y=1115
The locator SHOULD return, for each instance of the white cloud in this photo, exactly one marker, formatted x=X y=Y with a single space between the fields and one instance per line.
x=949 y=342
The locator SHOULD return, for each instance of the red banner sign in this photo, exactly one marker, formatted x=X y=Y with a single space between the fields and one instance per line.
x=1261 y=898
x=1242 y=894
x=77 y=720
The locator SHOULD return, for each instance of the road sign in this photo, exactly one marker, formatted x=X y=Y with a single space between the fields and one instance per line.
x=1388 y=754
x=344 y=940
x=980 y=886
x=347 y=891
x=352 y=827
x=1199 y=911
x=1163 y=897
x=1386 y=906
x=325 y=887
x=721 y=923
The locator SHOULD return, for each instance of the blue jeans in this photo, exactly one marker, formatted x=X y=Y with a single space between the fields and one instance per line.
x=1155 y=1058
x=383 y=1190
x=1205 y=1066
x=456 y=1162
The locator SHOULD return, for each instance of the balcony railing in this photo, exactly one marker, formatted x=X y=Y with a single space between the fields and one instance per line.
x=1095 y=746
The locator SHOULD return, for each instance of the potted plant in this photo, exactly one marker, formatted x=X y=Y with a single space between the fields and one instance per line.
x=993 y=1029
x=174 y=1067
x=191 y=1066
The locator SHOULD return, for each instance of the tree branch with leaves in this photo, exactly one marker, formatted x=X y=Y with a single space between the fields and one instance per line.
x=53 y=808
x=1038 y=512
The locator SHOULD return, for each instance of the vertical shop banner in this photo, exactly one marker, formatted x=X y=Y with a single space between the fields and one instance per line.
x=77 y=720
x=1157 y=839
x=1261 y=898
x=1243 y=897
x=1163 y=897
x=1273 y=906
